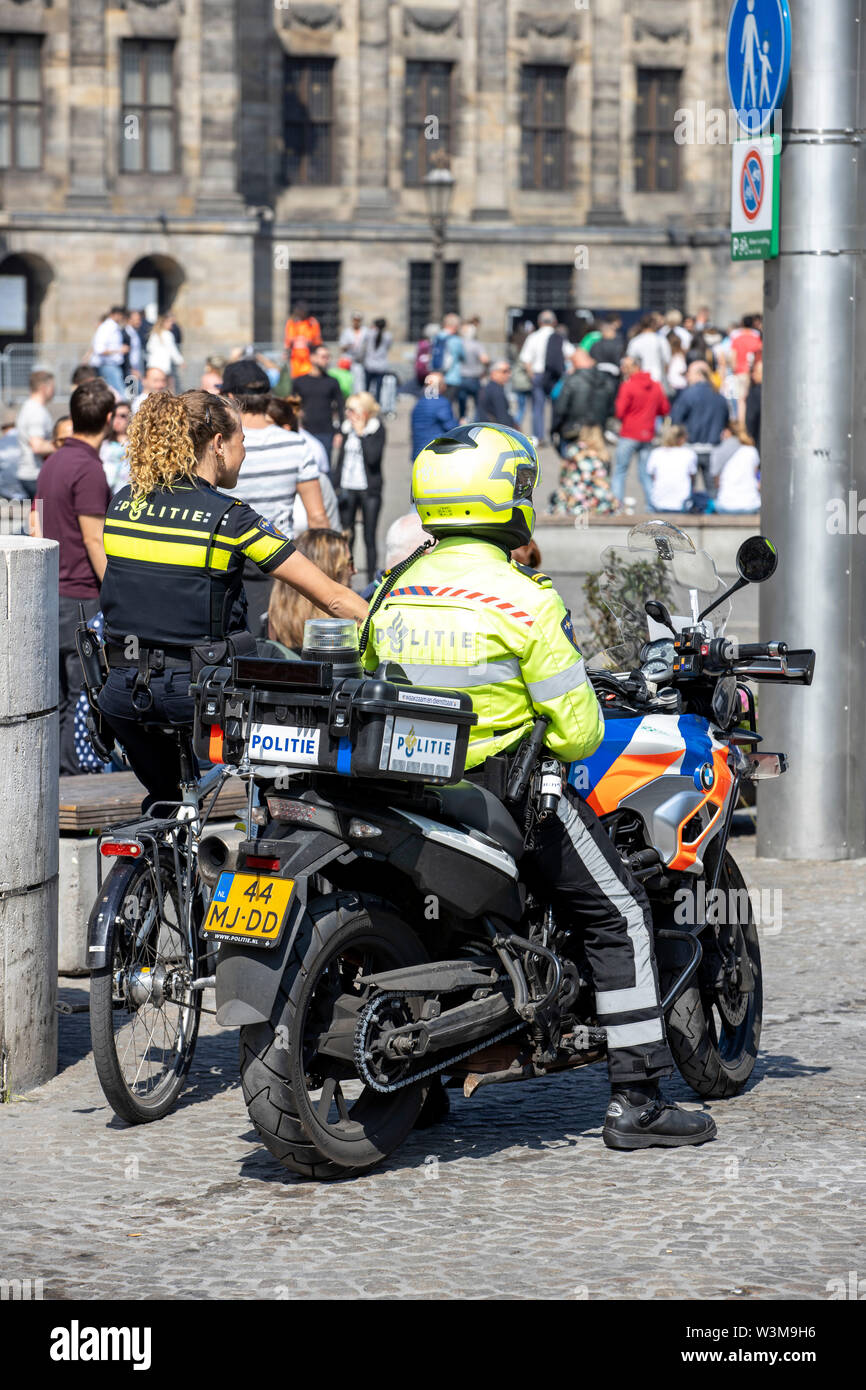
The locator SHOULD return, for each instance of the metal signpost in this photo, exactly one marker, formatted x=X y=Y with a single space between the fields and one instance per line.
x=813 y=431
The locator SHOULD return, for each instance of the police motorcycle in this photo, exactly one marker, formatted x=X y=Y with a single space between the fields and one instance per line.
x=373 y=930
x=681 y=747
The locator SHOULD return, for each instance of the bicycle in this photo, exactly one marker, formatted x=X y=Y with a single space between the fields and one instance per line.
x=149 y=963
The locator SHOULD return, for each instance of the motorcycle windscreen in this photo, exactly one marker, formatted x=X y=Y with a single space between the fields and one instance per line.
x=659 y=561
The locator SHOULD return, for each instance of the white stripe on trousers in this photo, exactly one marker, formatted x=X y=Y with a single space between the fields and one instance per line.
x=632 y=1034
x=643 y=994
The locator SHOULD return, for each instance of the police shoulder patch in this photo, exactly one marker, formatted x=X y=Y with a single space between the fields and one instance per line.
x=568 y=628
x=270 y=529
x=542 y=580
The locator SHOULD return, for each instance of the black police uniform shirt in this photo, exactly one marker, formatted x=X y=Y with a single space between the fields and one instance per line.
x=175 y=563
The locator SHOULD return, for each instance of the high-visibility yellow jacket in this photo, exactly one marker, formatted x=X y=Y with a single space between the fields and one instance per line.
x=465 y=617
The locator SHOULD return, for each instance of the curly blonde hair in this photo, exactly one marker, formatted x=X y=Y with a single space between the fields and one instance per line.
x=168 y=436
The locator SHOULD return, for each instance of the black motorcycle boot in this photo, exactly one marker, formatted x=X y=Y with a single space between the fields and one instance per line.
x=641 y=1118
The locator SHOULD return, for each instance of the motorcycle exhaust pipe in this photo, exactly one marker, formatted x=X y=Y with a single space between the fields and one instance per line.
x=218 y=853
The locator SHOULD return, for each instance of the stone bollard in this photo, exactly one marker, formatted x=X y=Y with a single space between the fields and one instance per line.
x=29 y=795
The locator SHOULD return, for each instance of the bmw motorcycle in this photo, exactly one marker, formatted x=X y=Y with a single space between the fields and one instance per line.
x=374 y=932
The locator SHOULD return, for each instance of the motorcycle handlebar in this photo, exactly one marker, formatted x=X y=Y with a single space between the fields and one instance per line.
x=746 y=651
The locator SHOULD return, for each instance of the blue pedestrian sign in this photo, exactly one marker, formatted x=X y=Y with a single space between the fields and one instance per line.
x=758 y=60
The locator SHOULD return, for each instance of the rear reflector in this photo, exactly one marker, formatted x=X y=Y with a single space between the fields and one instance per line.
x=215 y=744
x=125 y=849
x=257 y=861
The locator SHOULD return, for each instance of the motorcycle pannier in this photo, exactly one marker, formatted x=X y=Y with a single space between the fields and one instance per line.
x=306 y=716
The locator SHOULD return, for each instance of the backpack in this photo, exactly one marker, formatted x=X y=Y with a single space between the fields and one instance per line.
x=554 y=362
x=437 y=356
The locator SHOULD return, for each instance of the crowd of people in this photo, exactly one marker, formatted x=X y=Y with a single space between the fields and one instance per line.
x=677 y=396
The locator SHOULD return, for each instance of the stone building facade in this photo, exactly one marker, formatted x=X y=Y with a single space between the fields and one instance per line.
x=233 y=156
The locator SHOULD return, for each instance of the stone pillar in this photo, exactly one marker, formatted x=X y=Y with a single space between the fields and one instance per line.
x=374 y=196
x=491 y=97
x=88 y=155
x=220 y=98
x=29 y=839
x=605 y=206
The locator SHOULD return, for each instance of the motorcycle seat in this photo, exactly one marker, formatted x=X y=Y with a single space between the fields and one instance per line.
x=478 y=809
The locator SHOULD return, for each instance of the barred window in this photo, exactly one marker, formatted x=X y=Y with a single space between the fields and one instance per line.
x=308 y=121
x=426 y=117
x=663 y=287
x=549 y=286
x=420 y=291
x=656 y=152
x=542 y=126
x=20 y=101
x=149 y=135
x=317 y=284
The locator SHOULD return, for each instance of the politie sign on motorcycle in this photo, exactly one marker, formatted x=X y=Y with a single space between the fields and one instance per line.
x=418 y=745
x=755 y=199
x=284 y=743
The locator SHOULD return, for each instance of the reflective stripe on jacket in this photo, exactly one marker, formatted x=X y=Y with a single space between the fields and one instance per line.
x=465 y=617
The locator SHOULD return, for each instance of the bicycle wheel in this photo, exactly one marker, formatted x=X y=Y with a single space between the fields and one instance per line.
x=144 y=1016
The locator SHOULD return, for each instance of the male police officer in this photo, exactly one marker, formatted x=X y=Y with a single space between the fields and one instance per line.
x=467 y=617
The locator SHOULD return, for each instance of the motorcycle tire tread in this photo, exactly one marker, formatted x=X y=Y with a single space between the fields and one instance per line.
x=265 y=1064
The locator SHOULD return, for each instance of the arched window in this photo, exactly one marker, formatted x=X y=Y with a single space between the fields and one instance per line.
x=24 y=279
x=152 y=285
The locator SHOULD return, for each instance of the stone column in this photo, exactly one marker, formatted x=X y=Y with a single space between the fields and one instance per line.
x=88 y=121
x=491 y=169
x=374 y=195
x=605 y=207
x=29 y=839
x=220 y=96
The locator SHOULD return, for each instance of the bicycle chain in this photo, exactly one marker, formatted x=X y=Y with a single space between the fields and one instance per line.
x=366 y=1018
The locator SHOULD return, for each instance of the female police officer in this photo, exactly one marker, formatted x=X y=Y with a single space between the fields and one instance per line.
x=175 y=548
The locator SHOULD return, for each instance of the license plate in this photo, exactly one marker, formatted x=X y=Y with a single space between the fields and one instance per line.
x=249 y=907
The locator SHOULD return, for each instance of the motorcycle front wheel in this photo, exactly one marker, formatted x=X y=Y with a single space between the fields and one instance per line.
x=714 y=1030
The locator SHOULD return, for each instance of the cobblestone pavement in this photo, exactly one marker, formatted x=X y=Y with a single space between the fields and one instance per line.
x=514 y=1196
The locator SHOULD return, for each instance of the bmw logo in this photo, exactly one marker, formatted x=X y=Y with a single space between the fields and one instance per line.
x=705 y=777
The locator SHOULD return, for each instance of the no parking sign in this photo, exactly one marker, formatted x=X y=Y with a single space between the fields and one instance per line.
x=755 y=199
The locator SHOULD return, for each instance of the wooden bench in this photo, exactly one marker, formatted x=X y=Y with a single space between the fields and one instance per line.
x=90 y=803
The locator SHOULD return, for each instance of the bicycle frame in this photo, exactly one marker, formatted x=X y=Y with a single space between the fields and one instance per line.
x=198 y=800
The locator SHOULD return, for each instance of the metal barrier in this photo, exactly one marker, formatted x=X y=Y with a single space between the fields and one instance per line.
x=18 y=360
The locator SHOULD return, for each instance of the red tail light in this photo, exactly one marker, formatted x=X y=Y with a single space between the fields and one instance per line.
x=121 y=849
x=258 y=861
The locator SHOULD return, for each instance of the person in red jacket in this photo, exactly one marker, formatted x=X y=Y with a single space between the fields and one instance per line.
x=639 y=402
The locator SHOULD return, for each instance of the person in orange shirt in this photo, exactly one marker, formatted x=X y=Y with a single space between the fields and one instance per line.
x=302 y=334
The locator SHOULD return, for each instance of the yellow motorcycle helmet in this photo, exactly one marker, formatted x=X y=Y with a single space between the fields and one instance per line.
x=477 y=480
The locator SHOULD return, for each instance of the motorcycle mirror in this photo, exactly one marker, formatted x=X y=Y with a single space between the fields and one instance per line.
x=756 y=559
x=659 y=614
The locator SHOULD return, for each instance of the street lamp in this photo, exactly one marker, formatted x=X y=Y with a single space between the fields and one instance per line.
x=439 y=190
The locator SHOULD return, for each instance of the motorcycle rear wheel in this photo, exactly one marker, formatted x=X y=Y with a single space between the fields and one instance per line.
x=312 y=1111
x=714 y=1035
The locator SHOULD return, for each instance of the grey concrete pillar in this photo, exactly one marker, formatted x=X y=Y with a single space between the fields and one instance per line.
x=29 y=758
x=813 y=441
